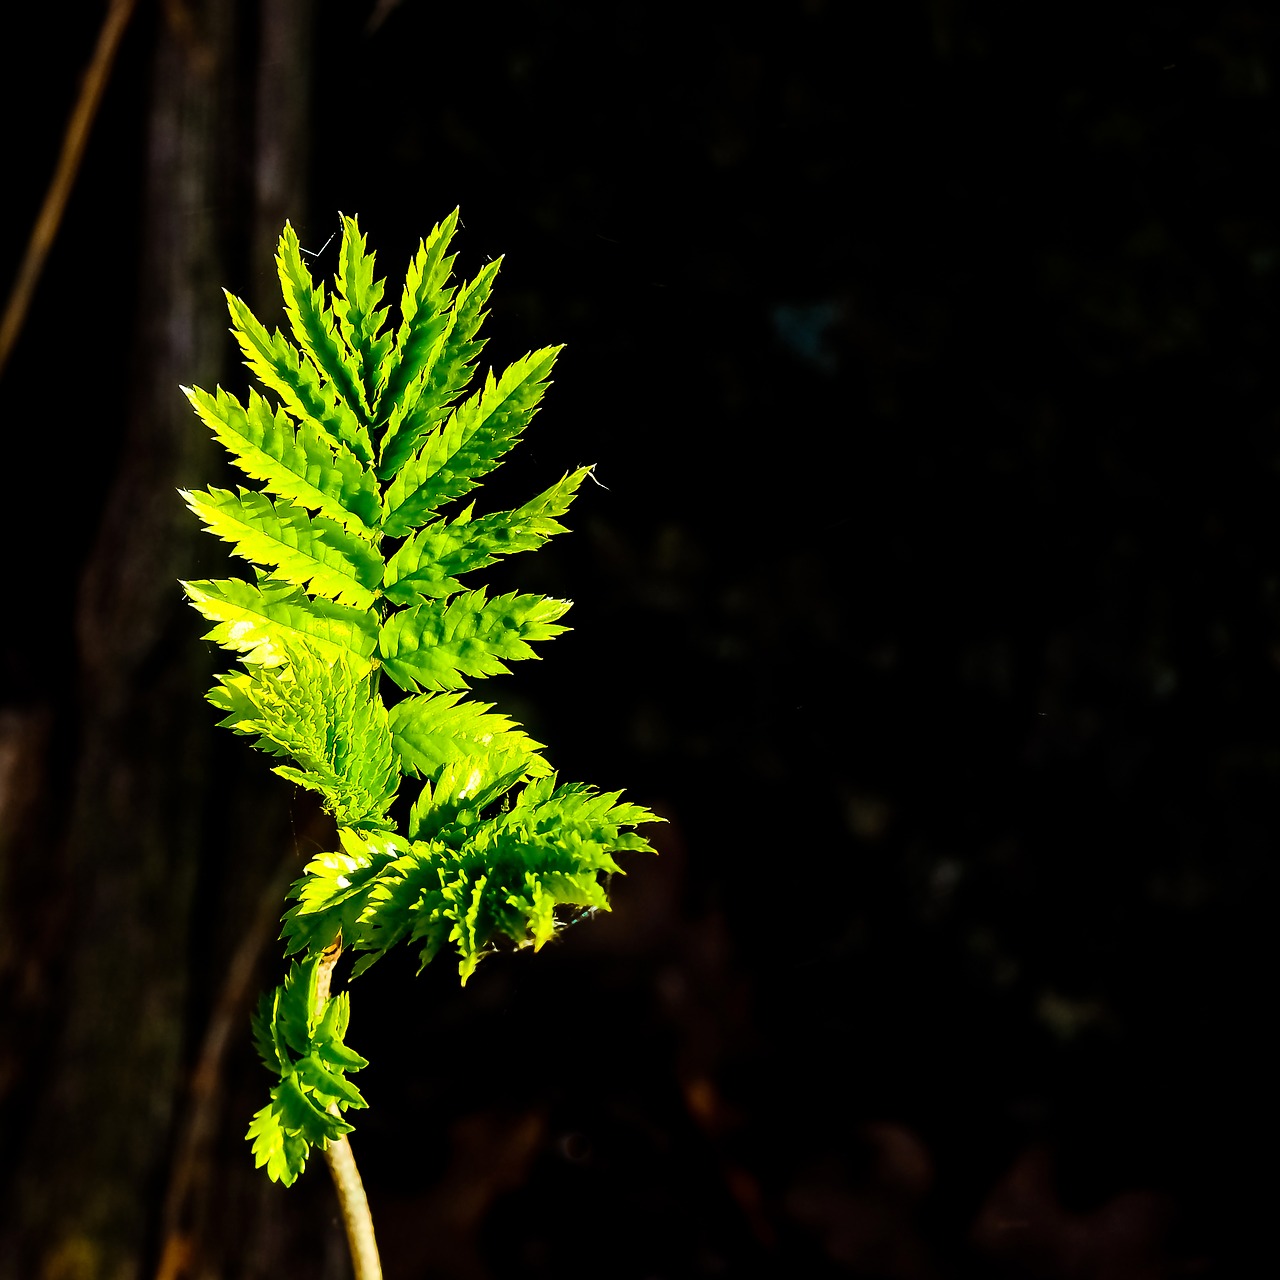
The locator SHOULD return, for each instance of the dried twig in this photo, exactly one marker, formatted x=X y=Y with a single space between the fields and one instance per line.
x=55 y=200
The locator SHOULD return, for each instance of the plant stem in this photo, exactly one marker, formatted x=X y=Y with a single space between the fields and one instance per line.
x=342 y=1165
x=355 y=1210
x=55 y=200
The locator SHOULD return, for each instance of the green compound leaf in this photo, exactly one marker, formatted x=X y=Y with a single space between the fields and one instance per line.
x=428 y=563
x=299 y=464
x=360 y=320
x=308 y=551
x=284 y=1154
x=313 y=326
x=323 y=717
x=358 y=575
x=468 y=445
x=481 y=880
x=301 y=1040
x=437 y=645
x=427 y=401
x=426 y=322
x=431 y=730
x=282 y=368
x=334 y=889
x=462 y=788
x=259 y=622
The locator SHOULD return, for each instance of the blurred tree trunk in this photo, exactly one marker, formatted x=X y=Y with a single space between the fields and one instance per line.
x=281 y=138
x=98 y=1140
x=143 y=878
x=221 y=1217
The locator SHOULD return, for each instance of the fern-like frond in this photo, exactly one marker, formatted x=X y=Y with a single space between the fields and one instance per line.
x=313 y=327
x=389 y=903
x=292 y=376
x=426 y=320
x=469 y=444
x=430 y=730
x=428 y=399
x=463 y=787
x=298 y=463
x=308 y=551
x=302 y=1039
x=502 y=877
x=258 y=622
x=360 y=320
x=437 y=645
x=357 y=576
x=321 y=715
x=428 y=563
x=334 y=890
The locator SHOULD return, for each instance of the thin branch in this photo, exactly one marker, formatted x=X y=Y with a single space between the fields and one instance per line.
x=342 y=1165
x=355 y=1210
x=324 y=978
x=381 y=11
x=64 y=176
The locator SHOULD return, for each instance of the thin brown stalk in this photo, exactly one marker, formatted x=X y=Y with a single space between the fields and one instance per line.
x=64 y=176
x=342 y=1165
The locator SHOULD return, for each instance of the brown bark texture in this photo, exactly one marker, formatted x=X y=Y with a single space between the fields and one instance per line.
x=110 y=1074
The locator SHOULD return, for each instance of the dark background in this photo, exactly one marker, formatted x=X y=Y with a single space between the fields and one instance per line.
x=925 y=351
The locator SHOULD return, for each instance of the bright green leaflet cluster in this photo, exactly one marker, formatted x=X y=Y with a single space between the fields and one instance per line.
x=357 y=576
